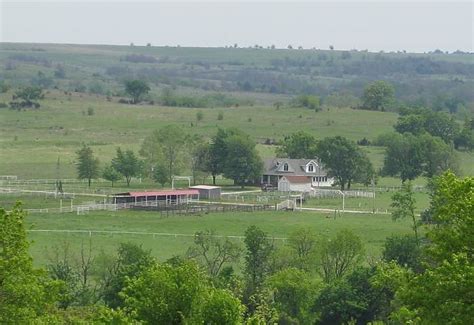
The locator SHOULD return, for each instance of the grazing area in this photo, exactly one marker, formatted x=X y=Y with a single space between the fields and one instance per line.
x=60 y=126
x=373 y=229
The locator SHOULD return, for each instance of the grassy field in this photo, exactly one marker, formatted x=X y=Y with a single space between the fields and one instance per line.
x=373 y=229
x=60 y=126
x=32 y=141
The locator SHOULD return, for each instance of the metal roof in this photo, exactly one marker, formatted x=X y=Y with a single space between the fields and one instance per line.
x=159 y=193
x=205 y=187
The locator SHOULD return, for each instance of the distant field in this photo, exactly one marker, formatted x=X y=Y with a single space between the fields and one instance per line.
x=373 y=229
x=32 y=141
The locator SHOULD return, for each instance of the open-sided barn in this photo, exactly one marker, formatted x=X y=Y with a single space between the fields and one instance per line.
x=168 y=197
x=208 y=191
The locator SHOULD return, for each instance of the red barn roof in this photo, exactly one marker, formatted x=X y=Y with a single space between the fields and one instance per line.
x=160 y=193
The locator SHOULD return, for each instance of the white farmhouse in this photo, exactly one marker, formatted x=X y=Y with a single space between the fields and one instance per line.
x=295 y=175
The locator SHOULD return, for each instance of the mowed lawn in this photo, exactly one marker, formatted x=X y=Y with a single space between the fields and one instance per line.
x=373 y=229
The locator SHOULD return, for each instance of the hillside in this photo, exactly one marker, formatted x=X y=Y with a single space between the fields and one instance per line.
x=257 y=75
x=83 y=87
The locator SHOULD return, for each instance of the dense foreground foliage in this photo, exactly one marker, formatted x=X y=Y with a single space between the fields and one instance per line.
x=309 y=280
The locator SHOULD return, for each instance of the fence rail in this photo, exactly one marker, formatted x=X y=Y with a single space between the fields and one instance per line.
x=139 y=233
x=321 y=193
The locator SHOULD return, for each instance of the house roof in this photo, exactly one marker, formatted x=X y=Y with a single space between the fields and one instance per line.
x=296 y=167
x=159 y=193
x=298 y=179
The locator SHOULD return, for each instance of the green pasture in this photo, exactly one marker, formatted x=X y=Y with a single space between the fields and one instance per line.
x=381 y=202
x=32 y=141
x=373 y=229
x=43 y=201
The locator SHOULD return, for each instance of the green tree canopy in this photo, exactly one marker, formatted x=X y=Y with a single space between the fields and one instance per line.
x=213 y=252
x=161 y=174
x=165 y=146
x=218 y=152
x=403 y=157
x=130 y=261
x=259 y=247
x=449 y=278
x=26 y=294
x=127 y=164
x=298 y=145
x=307 y=101
x=378 y=96
x=179 y=294
x=294 y=291
x=405 y=250
x=437 y=124
x=344 y=161
x=87 y=165
x=409 y=156
x=403 y=203
x=111 y=174
x=242 y=164
x=29 y=97
x=136 y=89
x=340 y=254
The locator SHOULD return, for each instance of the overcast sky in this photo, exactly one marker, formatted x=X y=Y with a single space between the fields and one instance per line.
x=373 y=25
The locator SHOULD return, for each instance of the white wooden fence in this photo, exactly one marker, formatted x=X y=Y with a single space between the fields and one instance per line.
x=326 y=193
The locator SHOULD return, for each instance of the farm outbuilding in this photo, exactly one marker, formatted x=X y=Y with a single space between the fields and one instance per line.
x=170 y=197
x=208 y=192
x=294 y=184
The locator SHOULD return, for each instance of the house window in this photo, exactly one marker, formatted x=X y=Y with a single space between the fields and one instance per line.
x=325 y=178
x=285 y=167
x=311 y=168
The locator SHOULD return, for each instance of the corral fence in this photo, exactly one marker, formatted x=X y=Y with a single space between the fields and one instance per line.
x=323 y=193
x=416 y=188
x=201 y=208
x=164 y=210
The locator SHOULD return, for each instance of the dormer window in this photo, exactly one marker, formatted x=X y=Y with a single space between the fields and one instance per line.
x=310 y=168
x=285 y=167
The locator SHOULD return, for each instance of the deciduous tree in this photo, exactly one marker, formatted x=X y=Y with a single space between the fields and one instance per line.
x=259 y=247
x=344 y=160
x=26 y=293
x=165 y=146
x=340 y=254
x=136 y=89
x=293 y=292
x=127 y=164
x=111 y=174
x=213 y=252
x=403 y=203
x=242 y=163
x=378 y=95
x=298 y=145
